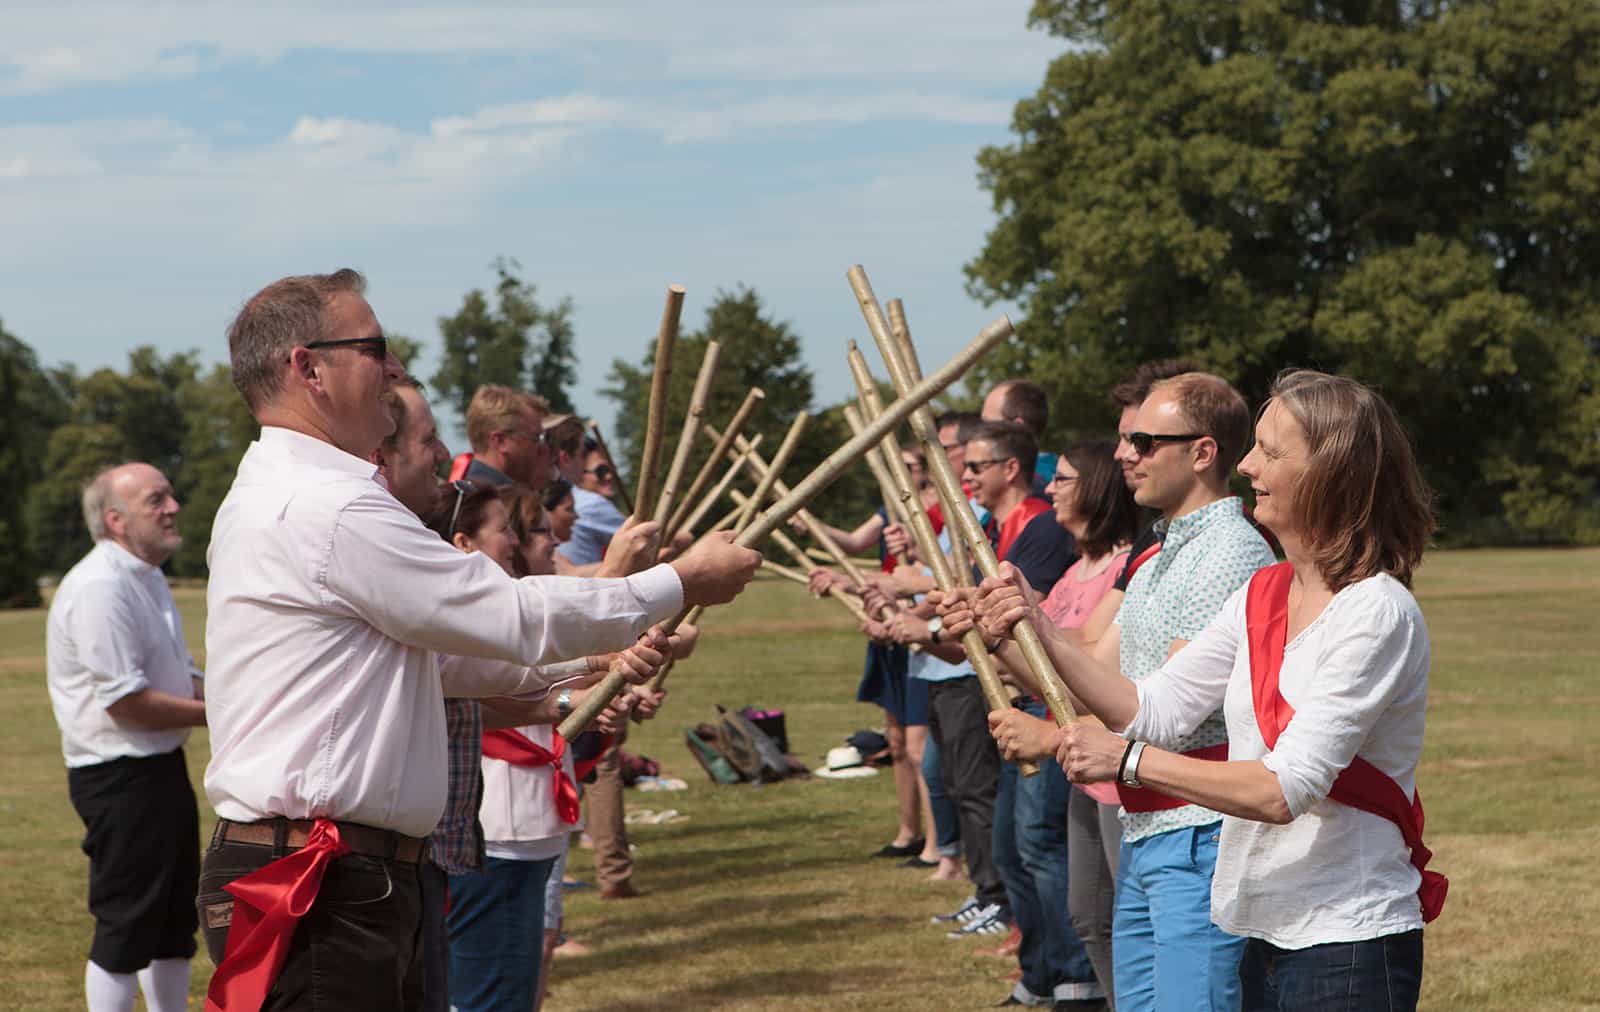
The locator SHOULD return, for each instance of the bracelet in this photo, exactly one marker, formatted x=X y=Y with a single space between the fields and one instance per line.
x=1131 y=777
x=1124 y=763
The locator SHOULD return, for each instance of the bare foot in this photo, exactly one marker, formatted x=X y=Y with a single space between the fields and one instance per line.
x=949 y=870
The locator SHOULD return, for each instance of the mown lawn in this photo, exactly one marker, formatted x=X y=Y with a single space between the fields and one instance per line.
x=763 y=898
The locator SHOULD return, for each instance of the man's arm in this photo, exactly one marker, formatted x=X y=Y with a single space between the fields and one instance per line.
x=107 y=630
x=158 y=711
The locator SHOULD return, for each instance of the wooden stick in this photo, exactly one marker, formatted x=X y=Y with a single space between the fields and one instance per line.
x=605 y=451
x=908 y=354
x=792 y=575
x=876 y=463
x=691 y=617
x=691 y=427
x=819 y=555
x=734 y=470
x=955 y=501
x=946 y=574
x=734 y=427
x=666 y=340
x=791 y=442
x=823 y=475
x=837 y=593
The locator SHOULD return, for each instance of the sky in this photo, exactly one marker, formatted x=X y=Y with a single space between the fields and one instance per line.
x=161 y=162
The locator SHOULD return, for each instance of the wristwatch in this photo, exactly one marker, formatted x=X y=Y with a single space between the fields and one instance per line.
x=564 y=704
x=1130 y=765
x=934 y=625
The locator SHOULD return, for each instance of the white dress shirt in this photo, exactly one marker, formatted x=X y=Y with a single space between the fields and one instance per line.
x=328 y=602
x=1357 y=678
x=114 y=630
x=520 y=821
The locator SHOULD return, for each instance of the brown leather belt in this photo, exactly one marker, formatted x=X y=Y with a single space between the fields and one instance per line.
x=293 y=833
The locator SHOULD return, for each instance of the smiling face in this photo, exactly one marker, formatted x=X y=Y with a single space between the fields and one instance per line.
x=415 y=461
x=597 y=475
x=353 y=377
x=562 y=517
x=1063 y=492
x=493 y=537
x=1126 y=458
x=1164 y=478
x=143 y=515
x=988 y=472
x=1274 y=467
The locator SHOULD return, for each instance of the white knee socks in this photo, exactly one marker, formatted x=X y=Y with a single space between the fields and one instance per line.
x=165 y=983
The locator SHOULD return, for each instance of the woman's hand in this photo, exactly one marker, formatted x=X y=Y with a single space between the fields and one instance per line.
x=646 y=701
x=683 y=641
x=1021 y=735
x=1088 y=753
x=877 y=631
x=820 y=580
x=614 y=717
x=1003 y=601
x=640 y=662
x=632 y=548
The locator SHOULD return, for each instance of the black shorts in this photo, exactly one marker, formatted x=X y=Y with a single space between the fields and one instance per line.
x=143 y=841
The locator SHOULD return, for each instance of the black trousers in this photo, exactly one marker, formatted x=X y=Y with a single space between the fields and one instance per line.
x=358 y=949
x=142 y=836
x=958 y=719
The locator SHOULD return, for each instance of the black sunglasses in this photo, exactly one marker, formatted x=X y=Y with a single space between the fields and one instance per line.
x=375 y=347
x=463 y=489
x=1144 y=442
x=602 y=472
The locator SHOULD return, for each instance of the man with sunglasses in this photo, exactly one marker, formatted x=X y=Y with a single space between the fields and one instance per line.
x=328 y=605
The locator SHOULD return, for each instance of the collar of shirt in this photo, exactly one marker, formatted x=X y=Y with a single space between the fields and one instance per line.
x=1175 y=534
x=316 y=452
x=121 y=558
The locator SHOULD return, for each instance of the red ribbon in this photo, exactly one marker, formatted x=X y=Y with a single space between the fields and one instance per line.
x=518 y=749
x=267 y=904
x=1140 y=560
x=1147 y=799
x=1361 y=784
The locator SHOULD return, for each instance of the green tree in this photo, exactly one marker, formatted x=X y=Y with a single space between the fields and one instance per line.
x=756 y=351
x=516 y=341
x=1407 y=193
x=217 y=429
x=32 y=402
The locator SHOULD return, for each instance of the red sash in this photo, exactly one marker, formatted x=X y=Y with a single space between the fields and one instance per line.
x=267 y=904
x=1145 y=799
x=517 y=749
x=1138 y=561
x=1018 y=519
x=1361 y=784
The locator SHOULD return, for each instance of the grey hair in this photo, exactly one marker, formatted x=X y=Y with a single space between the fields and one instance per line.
x=288 y=312
x=100 y=495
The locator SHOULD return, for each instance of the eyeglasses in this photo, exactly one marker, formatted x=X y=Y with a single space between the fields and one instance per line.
x=373 y=347
x=463 y=489
x=1144 y=442
x=602 y=472
x=1062 y=479
x=977 y=466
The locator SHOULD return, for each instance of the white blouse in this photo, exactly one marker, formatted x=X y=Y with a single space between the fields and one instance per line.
x=1357 y=678
x=518 y=813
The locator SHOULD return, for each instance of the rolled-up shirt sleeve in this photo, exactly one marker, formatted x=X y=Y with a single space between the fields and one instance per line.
x=384 y=566
x=1191 y=685
x=1377 y=655
x=477 y=677
x=104 y=630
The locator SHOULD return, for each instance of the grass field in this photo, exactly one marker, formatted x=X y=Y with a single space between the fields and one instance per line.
x=763 y=898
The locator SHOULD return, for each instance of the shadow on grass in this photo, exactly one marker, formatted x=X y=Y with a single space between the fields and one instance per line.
x=761 y=986
x=680 y=916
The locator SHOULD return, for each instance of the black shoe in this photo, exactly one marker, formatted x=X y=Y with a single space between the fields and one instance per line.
x=1079 y=1005
x=905 y=850
x=916 y=861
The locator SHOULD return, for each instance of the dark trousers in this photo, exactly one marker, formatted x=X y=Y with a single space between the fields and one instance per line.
x=1378 y=975
x=435 y=953
x=142 y=837
x=958 y=719
x=355 y=950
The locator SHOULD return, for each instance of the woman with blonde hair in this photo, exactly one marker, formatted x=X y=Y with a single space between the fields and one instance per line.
x=1320 y=664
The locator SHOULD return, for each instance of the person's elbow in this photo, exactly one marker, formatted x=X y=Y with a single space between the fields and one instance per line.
x=1274 y=809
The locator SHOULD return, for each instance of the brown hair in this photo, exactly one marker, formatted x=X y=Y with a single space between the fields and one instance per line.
x=1025 y=401
x=288 y=312
x=1010 y=440
x=1214 y=408
x=1361 y=505
x=1133 y=388
x=470 y=515
x=526 y=509
x=1102 y=498
x=396 y=406
x=496 y=408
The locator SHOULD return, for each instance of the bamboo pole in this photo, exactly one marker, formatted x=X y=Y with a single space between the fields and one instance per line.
x=734 y=470
x=605 y=451
x=691 y=428
x=893 y=508
x=734 y=427
x=955 y=501
x=908 y=354
x=818 y=554
x=946 y=574
x=666 y=340
x=792 y=575
x=824 y=474
x=838 y=594
x=791 y=441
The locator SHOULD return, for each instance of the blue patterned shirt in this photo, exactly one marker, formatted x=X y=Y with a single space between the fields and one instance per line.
x=1205 y=556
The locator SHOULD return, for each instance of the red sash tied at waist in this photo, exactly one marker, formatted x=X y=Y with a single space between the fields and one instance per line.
x=518 y=749
x=1361 y=784
x=1146 y=799
x=267 y=904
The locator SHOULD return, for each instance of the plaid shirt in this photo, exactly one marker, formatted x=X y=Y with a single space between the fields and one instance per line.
x=457 y=842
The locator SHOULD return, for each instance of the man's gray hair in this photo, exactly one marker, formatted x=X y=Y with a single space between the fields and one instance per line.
x=100 y=495
x=287 y=312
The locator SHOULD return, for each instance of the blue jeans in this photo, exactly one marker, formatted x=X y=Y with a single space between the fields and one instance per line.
x=1030 y=850
x=1377 y=975
x=496 y=923
x=946 y=823
x=1168 y=955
